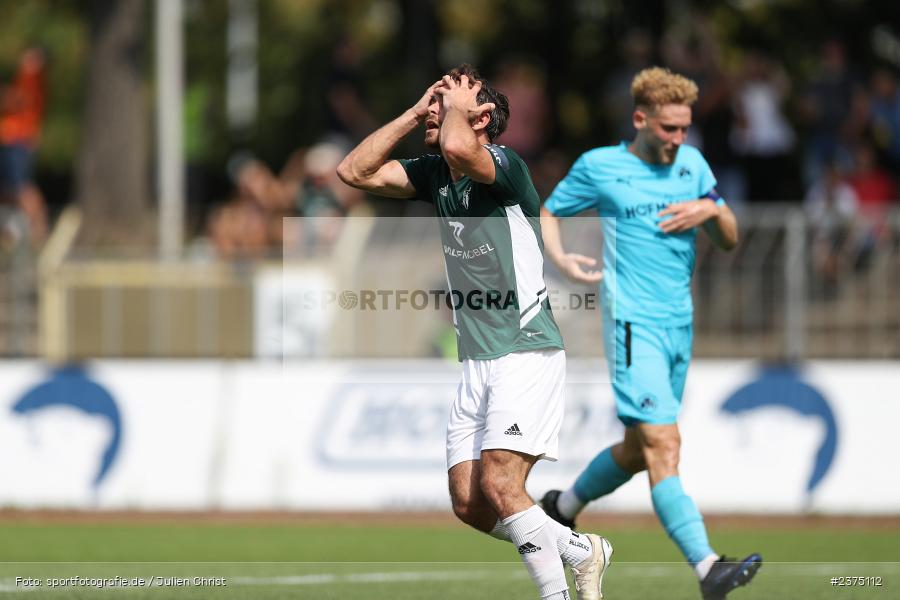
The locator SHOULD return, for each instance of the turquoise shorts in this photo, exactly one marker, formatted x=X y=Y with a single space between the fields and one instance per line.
x=649 y=366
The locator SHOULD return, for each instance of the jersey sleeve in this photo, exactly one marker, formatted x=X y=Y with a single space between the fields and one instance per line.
x=512 y=180
x=419 y=171
x=575 y=193
x=707 y=180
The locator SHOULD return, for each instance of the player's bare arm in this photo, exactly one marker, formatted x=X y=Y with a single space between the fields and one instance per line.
x=719 y=222
x=464 y=121
x=569 y=264
x=367 y=166
x=722 y=229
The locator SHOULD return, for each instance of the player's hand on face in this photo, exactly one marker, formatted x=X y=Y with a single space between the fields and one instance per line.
x=683 y=216
x=420 y=108
x=462 y=95
x=574 y=267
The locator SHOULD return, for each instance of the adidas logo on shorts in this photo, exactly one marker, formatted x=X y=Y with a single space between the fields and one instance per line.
x=514 y=430
x=528 y=548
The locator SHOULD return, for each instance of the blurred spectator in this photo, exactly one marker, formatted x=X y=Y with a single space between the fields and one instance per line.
x=696 y=53
x=525 y=83
x=22 y=105
x=238 y=229
x=824 y=107
x=885 y=116
x=873 y=186
x=250 y=223
x=316 y=193
x=346 y=110
x=763 y=138
x=636 y=51
x=321 y=193
x=549 y=170
x=875 y=191
x=322 y=198
x=831 y=207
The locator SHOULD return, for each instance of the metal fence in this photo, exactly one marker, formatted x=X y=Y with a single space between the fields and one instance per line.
x=795 y=288
x=792 y=289
x=18 y=286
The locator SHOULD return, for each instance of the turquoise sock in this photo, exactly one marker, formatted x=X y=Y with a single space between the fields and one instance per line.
x=600 y=477
x=681 y=519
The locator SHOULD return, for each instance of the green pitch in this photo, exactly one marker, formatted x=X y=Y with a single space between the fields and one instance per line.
x=334 y=561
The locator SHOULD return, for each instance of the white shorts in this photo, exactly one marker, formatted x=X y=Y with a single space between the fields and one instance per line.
x=514 y=402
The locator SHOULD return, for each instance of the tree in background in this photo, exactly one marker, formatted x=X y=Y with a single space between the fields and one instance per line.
x=112 y=163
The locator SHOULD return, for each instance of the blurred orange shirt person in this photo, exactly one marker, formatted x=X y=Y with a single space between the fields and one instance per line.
x=22 y=108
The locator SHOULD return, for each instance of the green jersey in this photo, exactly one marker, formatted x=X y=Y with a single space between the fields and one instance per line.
x=493 y=252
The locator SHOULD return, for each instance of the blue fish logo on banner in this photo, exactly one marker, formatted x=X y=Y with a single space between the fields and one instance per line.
x=71 y=387
x=782 y=386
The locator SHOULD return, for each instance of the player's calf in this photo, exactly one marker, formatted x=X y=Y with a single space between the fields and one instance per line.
x=468 y=502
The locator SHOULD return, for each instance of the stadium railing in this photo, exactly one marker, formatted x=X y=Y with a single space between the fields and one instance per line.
x=789 y=291
x=18 y=315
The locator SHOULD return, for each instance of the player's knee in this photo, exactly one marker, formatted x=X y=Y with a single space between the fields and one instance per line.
x=662 y=453
x=499 y=489
x=493 y=488
x=465 y=510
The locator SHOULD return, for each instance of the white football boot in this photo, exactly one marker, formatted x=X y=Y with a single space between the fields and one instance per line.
x=589 y=573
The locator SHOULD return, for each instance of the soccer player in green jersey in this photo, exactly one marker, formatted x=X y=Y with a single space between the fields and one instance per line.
x=509 y=405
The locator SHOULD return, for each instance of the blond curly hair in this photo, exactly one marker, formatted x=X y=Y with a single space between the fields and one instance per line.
x=657 y=86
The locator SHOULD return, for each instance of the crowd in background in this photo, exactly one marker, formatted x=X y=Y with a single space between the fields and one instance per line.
x=22 y=107
x=251 y=223
x=832 y=141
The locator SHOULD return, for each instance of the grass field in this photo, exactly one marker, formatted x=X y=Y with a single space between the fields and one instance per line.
x=335 y=557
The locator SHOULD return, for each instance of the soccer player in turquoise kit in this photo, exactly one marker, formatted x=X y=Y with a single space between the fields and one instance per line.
x=509 y=406
x=655 y=191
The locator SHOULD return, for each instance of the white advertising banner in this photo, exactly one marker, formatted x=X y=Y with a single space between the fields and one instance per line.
x=370 y=436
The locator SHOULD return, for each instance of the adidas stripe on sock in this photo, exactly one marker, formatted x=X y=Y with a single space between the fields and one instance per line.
x=573 y=548
x=536 y=540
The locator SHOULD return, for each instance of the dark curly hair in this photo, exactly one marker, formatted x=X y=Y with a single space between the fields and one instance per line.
x=487 y=93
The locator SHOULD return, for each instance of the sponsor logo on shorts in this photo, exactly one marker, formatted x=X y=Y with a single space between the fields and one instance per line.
x=647 y=403
x=528 y=548
x=514 y=430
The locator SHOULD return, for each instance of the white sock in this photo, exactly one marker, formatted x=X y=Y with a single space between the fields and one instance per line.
x=702 y=568
x=536 y=543
x=577 y=548
x=500 y=532
x=573 y=547
x=568 y=504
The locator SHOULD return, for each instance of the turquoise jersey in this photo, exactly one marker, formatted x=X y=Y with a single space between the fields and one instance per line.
x=646 y=272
